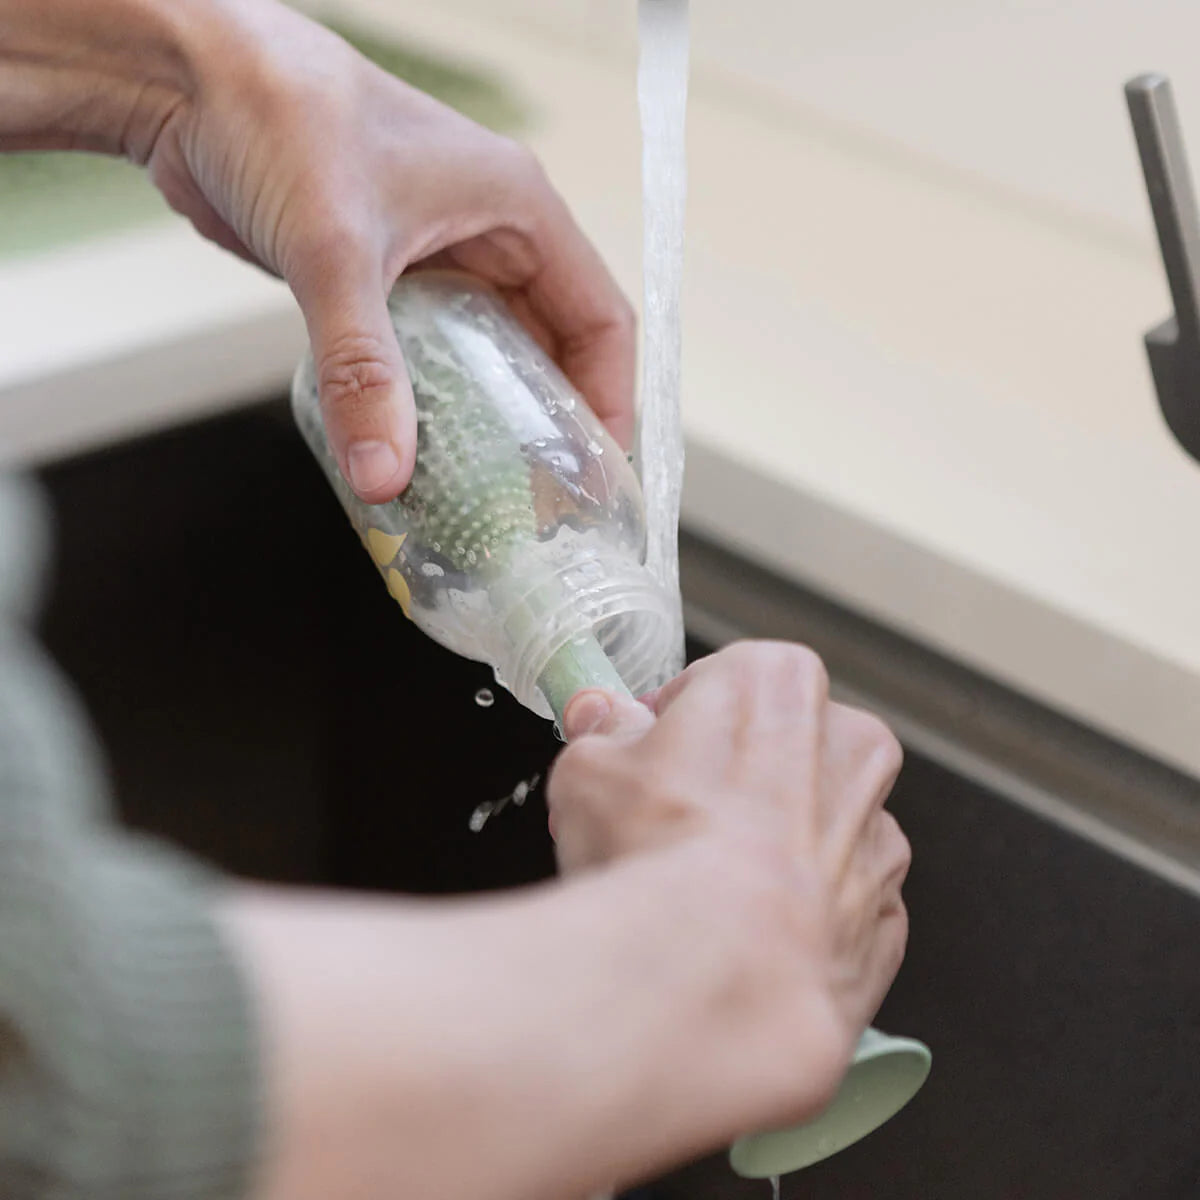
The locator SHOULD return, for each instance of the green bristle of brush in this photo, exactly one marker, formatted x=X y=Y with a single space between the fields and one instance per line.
x=471 y=501
x=471 y=497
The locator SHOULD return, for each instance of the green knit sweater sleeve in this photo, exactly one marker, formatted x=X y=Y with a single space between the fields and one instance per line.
x=127 y=1054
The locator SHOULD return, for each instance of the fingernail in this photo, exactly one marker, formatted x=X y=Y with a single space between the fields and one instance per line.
x=372 y=465
x=584 y=713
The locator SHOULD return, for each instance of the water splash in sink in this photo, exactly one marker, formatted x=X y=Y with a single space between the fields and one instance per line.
x=491 y=808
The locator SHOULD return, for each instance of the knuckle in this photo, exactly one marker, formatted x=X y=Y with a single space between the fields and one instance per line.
x=792 y=673
x=897 y=846
x=625 y=317
x=737 y=653
x=353 y=371
x=891 y=755
x=580 y=759
x=758 y=655
x=804 y=666
x=881 y=746
x=797 y=669
x=888 y=753
x=523 y=163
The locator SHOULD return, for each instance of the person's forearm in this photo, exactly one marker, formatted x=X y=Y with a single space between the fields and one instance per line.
x=95 y=74
x=536 y=1047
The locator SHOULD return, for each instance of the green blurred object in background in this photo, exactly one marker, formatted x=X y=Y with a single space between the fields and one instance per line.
x=53 y=198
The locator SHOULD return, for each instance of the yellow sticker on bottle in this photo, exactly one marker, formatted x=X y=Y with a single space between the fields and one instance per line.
x=384 y=547
x=398 y=586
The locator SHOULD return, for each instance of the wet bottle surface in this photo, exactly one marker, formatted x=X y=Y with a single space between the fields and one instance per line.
x=521 y=539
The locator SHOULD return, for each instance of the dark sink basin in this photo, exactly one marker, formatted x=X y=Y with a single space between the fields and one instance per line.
x=263 y=702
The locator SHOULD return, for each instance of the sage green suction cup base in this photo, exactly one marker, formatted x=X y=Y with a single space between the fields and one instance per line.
x=887 y=1072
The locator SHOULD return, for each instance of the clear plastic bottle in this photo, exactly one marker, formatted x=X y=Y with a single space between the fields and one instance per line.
x=521 y=540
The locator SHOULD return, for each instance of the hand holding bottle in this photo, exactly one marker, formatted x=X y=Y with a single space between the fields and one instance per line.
x=745 y=769
x=284 y=145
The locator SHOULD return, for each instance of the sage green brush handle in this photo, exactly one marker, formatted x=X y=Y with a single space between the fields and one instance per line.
x=579 y=665
x=885 y=1074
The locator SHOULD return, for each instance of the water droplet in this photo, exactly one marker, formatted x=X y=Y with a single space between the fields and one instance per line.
x=432 y=570
x=479 y=818
x=520 y=792
x=484 y=698
x=774 y=1187
x=594 y=448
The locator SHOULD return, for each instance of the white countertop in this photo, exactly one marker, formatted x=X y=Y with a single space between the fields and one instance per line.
x=909 y=390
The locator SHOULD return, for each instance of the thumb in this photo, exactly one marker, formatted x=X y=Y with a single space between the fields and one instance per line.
x=605 y=714
x=366 y=396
